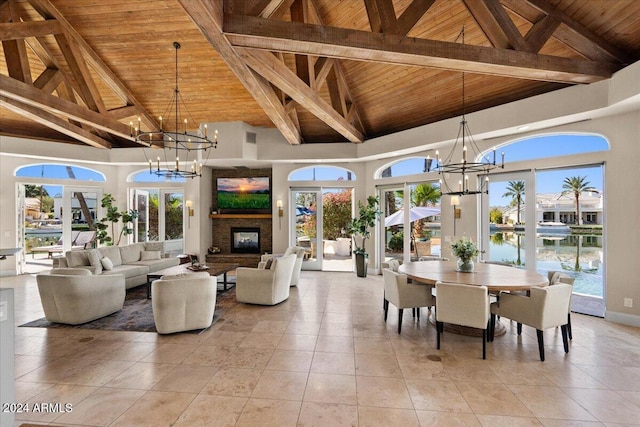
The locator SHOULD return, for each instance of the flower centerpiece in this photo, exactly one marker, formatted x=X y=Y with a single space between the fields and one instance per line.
x=464 y=250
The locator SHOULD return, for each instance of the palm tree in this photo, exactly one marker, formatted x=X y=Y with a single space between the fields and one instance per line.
x=515 y=190
x=576 y=185
x=423 y=195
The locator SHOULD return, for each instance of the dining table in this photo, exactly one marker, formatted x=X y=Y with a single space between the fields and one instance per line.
x=495 y=277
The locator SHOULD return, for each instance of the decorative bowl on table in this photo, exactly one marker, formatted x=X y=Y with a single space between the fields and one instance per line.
x=198 y=267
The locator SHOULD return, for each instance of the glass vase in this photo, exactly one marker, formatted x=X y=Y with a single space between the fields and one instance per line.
x=465 y=265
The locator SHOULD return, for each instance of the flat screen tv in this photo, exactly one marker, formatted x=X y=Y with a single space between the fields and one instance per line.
x=242 y=195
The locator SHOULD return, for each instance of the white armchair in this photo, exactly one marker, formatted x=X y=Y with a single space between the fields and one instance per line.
x=265 y=286
x=74 y=295
x=464 y=305
x=402 y=294
x=183 y=302
x=297 y=250
x=545 y=308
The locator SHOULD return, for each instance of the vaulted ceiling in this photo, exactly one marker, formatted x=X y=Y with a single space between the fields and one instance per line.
x=318 y=70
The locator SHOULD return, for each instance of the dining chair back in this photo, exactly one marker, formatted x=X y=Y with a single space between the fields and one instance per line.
x=402 y=294
x=464 y=305
x=544 y=308
x=556 y=277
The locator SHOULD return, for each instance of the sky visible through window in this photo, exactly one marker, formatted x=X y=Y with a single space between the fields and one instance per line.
x=527 y=149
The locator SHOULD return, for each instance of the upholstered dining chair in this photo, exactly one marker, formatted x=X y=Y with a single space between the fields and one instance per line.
x=464 y=305
x=402 y=294
x=544 y=308
x=556 y=277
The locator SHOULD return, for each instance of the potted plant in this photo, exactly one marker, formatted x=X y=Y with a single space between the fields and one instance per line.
x=359 y=229
x=114 y=216
x=464 y=250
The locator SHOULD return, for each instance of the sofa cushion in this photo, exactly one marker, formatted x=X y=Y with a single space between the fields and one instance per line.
x=149 y=255
x=77 y=258
x=113 y=253
x=131 y=253
x=128 y=270
x=107 y=264
x=94 y=260
x=158 y=264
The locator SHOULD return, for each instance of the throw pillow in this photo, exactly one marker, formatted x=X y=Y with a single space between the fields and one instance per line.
x=94 y=259
x=267 y=266
x=149 y=255
x=107 y=264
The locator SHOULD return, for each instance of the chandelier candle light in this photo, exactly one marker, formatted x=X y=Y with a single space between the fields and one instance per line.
x=180 y=148
x=482 y=166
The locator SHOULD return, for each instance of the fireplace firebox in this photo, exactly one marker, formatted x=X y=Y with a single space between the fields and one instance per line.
x=245 y=240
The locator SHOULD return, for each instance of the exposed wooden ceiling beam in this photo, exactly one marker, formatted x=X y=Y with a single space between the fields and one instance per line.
x=267 y=65
x=15 y=53
x=540 y=33
x=208 y=17
x=275 y=9
x=29 y=95
x=22 y=30
x=572 y=33
x=382 y=17
x=48 y=11
x=54 y=122
x=48 y=80
x=411 y=16
x=342 y=43
x=495 y=23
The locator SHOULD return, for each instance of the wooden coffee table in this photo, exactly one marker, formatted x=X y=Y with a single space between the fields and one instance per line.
x=213 y=270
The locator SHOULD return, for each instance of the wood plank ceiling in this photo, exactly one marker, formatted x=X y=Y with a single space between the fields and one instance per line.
x=318 y=70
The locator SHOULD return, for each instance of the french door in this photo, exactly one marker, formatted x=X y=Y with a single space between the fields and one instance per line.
x=141 y=224
x=306 y=225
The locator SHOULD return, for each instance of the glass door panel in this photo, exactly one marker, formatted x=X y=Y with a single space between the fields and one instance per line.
x=84 y=205
x=508 y=223
x=337 y=208
x=172 y=220
x=307 y=225
x=141 y=226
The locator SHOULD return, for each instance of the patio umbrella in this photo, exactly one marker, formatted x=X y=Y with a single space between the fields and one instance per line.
x=418 y=212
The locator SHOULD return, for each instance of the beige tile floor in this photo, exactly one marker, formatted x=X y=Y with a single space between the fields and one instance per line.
x=325 y=357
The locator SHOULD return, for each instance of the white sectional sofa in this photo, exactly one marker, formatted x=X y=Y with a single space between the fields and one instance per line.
x=133 y=261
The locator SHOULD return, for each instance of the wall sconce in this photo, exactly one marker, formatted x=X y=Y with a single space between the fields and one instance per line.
x=189 y=205
x=455 y=202
x=280 y=206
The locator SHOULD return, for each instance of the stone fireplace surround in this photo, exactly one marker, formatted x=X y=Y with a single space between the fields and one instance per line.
x=222 y=224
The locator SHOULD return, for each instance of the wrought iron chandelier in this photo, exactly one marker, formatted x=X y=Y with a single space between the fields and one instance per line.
x=472 y=161
x=175 y=149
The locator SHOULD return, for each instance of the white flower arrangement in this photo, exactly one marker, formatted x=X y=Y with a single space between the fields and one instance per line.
x=464 y=249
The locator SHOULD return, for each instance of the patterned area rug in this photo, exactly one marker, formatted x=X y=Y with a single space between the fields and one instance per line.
x=136 y=315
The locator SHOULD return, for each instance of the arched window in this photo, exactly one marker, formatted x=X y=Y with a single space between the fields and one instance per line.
x=145 y=176
x=409 y=166
x=556 y=145
x=60 y=171
x=322 y=173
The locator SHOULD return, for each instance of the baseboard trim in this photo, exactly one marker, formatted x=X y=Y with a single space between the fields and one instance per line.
x=622 y=318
